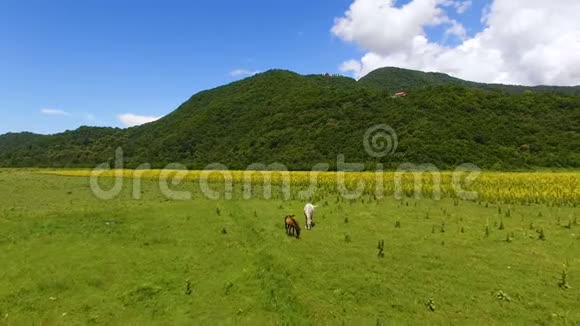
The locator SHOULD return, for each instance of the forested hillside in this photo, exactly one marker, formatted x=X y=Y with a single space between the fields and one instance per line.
x=280 y=116
x=394 y=79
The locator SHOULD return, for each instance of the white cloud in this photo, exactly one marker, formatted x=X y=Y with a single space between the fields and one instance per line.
x=351 y=65
x=524 y=41
x=456 y=29
x=131 y=120
x=379 y=26
x=243 y=72
x=463 y=6
x=53 y=112
x=460 y=6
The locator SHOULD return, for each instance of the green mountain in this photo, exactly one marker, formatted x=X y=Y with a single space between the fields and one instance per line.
x=280 y=116
x=394 y=79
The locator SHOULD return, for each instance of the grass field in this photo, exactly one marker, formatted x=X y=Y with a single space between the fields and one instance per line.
x=69 y=258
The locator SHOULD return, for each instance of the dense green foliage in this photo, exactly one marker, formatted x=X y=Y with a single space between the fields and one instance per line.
x=394 y=79
x=71 y=259
x=280 y=116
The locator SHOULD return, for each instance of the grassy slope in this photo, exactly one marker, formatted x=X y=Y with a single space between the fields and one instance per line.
x=59 y=256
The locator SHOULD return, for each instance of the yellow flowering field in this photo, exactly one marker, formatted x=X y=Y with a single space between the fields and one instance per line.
x=552 y=188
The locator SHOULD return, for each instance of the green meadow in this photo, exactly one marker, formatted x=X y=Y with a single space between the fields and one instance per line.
x=69 y=258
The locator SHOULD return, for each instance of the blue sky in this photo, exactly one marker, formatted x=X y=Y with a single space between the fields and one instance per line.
x=87 y=62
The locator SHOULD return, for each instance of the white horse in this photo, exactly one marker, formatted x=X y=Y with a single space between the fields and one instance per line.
x=309 y=214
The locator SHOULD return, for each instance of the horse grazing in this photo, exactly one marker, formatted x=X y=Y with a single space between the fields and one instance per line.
x=309 y=215
x=292 y=226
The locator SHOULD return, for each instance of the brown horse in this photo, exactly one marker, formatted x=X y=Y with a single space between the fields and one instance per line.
x=292 y=226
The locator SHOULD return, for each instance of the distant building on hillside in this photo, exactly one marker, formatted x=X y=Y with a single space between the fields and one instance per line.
x=400 y=94
x=331 y=75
